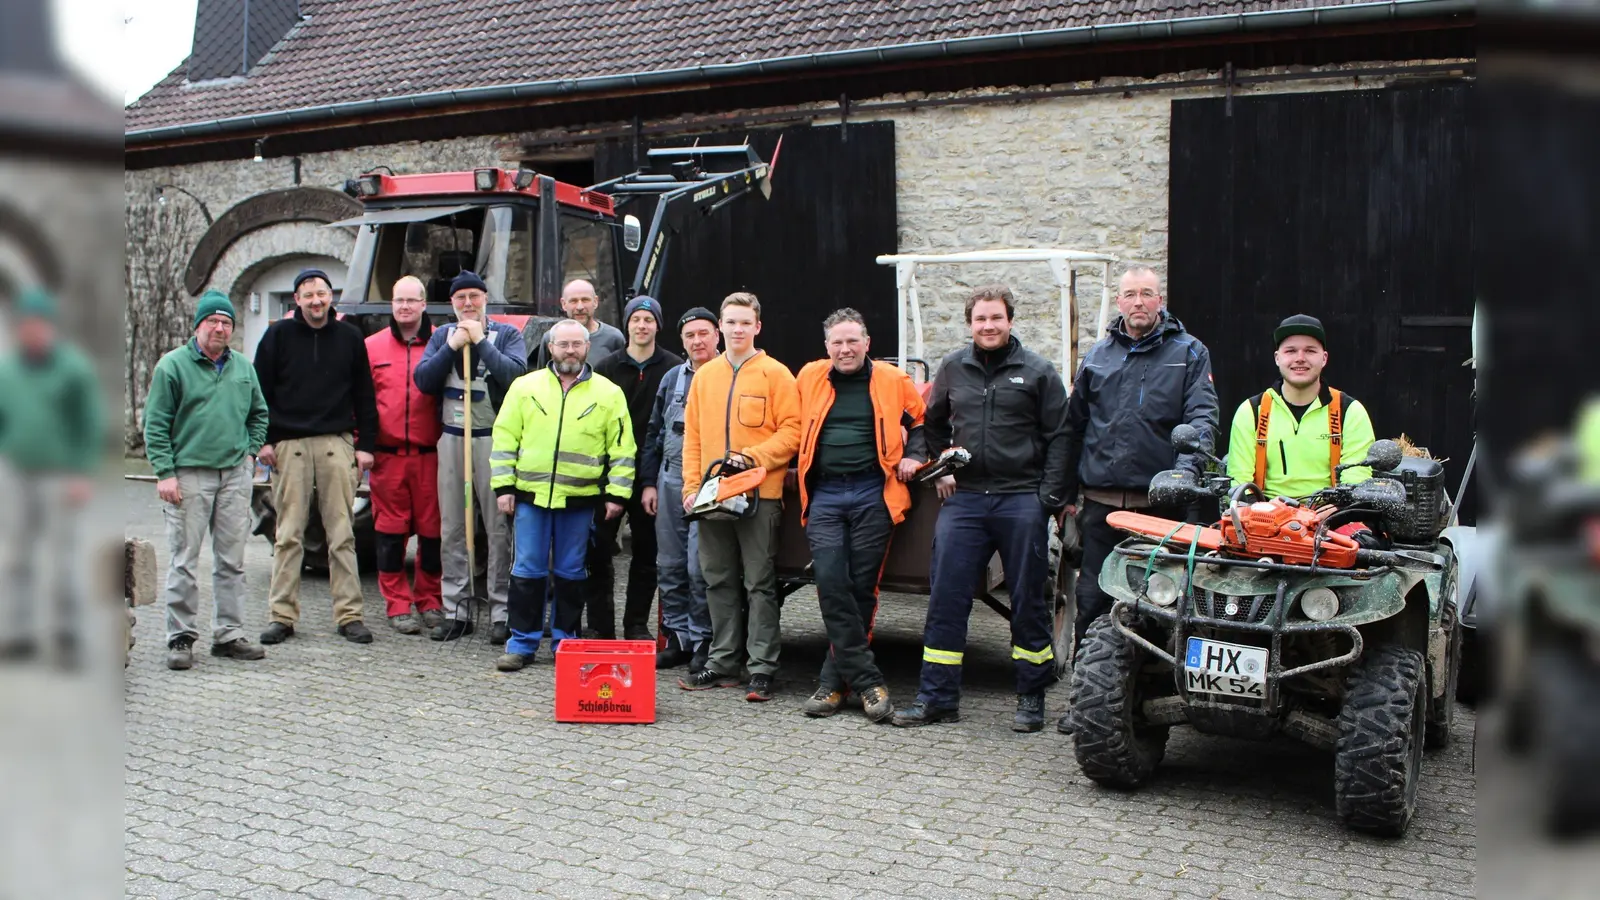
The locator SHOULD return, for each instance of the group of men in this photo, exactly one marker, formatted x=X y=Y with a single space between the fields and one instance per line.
x=571 y=444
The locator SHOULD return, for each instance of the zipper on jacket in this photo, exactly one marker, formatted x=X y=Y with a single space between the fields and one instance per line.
x=727 y=415
x=1283 y=455
x=408 y=396
x=561 y=417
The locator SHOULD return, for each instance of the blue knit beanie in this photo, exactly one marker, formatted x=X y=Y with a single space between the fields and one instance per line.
x=467 y=279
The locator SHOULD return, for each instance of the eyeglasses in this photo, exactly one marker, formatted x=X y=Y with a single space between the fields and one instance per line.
x=569 y=345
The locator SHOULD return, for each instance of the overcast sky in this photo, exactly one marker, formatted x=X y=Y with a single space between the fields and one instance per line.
x=124 y=46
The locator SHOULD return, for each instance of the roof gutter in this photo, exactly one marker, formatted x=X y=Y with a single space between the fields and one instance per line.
x=1349 y=14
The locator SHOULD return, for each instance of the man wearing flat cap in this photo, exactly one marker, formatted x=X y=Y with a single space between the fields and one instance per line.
x=499 y=357
x=204 y=419
x=637 y=369
x=321 y=433
x=1288 y=438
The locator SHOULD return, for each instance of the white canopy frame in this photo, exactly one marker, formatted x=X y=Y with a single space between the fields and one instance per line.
x=1064 y=265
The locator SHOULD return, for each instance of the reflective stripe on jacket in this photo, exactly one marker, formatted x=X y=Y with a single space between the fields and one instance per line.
x=897 y=412
x=1298 y=452
x=560 y=449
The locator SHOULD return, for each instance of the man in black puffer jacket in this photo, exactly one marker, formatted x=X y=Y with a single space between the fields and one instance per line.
x=1007 y=406
x=1145 y=377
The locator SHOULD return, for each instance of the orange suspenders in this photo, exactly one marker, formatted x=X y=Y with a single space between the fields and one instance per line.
x=1335 y=439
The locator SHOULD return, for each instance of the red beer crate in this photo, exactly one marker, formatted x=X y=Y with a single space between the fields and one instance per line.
x=605 y=681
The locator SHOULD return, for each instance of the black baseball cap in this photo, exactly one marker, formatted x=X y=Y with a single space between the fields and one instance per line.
x=1301 y=325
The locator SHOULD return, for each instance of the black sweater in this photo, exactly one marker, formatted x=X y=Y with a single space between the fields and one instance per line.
x=317 y=381
x=639 y=383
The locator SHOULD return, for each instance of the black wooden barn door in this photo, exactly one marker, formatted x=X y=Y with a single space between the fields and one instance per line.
x=806 y=252
x=1351 y=206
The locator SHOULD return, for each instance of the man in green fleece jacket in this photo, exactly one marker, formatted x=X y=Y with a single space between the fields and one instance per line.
x=52 y=438
x=204 y=420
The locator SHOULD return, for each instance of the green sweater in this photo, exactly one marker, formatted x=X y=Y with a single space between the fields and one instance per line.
x=51 y=415
x=201 y=416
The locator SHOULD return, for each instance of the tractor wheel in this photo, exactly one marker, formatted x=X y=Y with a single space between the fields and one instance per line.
x=1113 y=746
x=1378 y=758
x=1442 y=709
x=1566 y=731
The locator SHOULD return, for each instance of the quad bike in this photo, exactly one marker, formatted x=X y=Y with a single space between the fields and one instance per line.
x=1286 y=617
x=1547 y=627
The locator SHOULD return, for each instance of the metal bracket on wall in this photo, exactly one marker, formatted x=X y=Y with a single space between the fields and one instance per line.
x=1227 y=81
x=844 y=116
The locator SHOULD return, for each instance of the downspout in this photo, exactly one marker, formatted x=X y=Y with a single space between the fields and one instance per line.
x=1358 y=13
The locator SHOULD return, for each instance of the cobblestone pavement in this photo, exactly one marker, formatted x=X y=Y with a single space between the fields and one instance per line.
x=407 y=768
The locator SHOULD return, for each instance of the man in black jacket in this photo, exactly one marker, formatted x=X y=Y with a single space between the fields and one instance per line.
x=1007 y=406
x=1146 y=376
x=637 y=369
x=321 y=432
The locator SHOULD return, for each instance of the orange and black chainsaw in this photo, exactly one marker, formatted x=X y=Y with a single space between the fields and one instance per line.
x=1278 y=529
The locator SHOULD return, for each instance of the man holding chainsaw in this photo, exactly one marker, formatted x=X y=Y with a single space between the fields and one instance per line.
x=743 y=402
x=1289 y=438
x=499 y=358
x=863 y=422
x=563 y=446
x=685 y=620
x=1008 y=407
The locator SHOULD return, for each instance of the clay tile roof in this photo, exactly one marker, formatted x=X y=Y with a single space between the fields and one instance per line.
x=355 y=50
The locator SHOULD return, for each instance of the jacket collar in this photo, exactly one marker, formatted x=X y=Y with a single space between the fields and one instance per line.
x=657 y=356
x=227 y=352
x=423 y=333
x=583 y=376
x=1168 y=324
x=865 y=371
x=1006 y=353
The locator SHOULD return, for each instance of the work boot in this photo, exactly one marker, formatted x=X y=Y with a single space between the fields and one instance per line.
x=450 y=629
x=180 y=652
x=875 y=703
x=432 y=618
x=499 y=633
x=637 y=633
x=705 y=679
x=355 y=631
x=920 y=713
x=238 y=648
x=1030 y=713
x=823 y=703
x=702 y=653
x=512 y=662
x=406 y=623
x=760 y=689
x=1064 y=724
x=277 y=633
x=672 y=655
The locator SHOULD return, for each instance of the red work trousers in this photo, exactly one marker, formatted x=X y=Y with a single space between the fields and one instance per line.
x=405 y=501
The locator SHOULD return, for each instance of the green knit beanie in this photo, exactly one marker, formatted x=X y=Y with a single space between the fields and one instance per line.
x=211 y=303
x=37 y=303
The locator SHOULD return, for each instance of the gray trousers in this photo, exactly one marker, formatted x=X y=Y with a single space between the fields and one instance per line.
x=735 y=554
x=678 y=575
x=453 y=529
x=40 y=558
x=218 y=501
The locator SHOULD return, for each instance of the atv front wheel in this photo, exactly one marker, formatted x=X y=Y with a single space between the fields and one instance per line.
x=1378 y=758
x=1113 y=745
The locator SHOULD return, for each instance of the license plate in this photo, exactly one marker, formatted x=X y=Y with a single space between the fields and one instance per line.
x=1216 y=667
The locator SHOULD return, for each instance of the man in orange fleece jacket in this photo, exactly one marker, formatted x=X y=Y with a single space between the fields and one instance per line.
x=744 y=401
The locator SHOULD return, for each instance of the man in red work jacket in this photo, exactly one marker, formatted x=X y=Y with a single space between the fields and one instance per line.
x=404 y=485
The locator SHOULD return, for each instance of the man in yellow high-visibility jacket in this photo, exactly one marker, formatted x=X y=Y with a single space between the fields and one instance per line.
x=563 y=444
x=1288 y=438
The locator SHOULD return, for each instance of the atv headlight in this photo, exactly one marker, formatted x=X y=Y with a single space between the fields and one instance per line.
x=1319 y=604
x=1161 y=589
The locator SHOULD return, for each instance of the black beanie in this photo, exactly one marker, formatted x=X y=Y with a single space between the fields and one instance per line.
x=699 y=312
x=308 y=274
x=467 y=279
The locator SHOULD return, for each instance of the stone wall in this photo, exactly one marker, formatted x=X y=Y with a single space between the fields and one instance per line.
x=1087 y=173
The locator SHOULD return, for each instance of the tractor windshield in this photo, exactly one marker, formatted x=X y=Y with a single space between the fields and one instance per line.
x=437 y=243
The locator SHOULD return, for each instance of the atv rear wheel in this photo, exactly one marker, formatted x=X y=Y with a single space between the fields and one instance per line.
x=1113 y=745
x=1378 y=758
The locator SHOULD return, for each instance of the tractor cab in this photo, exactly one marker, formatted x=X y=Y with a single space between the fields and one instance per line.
x=527 y=234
